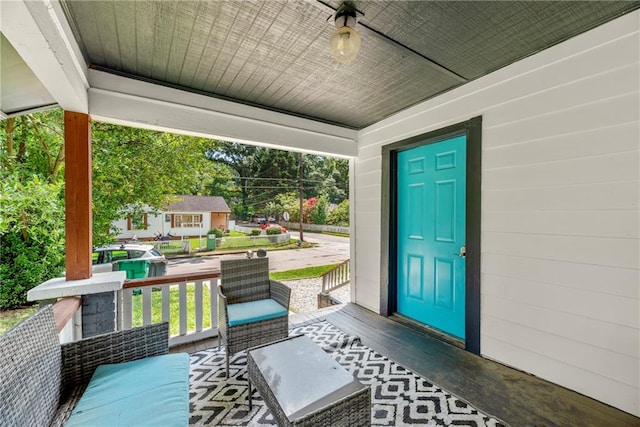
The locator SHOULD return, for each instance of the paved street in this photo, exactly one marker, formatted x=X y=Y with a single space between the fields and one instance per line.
x=330 y=249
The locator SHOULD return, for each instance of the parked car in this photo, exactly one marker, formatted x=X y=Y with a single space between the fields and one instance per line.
x=104 y=257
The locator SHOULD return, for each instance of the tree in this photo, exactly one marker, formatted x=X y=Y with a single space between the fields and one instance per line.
x=133 y=169
x=136 y=170
x=260 y=174
x=326 y=175
x=339 y=215
x=33 y=144
x=240 y=159
x=263 y=174
x=31 y=236
x=31 y=204
x=318 y=209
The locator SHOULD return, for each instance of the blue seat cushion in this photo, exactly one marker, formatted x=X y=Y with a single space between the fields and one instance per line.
x=254 y=311
x=146 y=392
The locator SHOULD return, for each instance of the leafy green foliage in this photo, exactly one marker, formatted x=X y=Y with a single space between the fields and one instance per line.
x=135 y=170
x=256 y=232
x=318 y=209
x=274 y=229
x=266 y=181
x=290 y=204
x=340 y=215
x=33 y=144
x=217 y=232
x=31 y=236
x=326 y=175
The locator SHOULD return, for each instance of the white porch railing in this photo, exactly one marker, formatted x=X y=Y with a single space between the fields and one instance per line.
x=67 y=314
x=187 y=302
x=336 y=277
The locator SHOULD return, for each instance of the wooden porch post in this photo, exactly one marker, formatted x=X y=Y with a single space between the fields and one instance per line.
x=78 y=224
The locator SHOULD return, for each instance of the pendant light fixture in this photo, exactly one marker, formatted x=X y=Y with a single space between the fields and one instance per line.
x=345 y=42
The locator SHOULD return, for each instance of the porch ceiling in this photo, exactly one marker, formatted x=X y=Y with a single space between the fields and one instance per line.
x=273 y=54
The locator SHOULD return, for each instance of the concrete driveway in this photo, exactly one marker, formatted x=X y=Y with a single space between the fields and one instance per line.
x=330 y=249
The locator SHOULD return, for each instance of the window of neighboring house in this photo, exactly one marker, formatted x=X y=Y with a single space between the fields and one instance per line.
x=187 y=220
x=137 y=222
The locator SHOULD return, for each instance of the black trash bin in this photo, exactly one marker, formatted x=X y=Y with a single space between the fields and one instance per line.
x=157 y=268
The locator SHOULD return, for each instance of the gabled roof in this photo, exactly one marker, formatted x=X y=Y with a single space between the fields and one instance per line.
x=199 y=204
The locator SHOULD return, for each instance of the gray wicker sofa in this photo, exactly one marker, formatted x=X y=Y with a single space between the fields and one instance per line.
x=41 y=381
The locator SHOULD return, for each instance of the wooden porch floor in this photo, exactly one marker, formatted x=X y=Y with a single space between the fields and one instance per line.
x=518 y=398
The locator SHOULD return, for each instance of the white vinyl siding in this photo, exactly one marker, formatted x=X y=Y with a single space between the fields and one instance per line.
x=560 y=261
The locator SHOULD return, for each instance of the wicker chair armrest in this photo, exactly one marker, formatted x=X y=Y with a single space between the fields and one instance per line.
x=280 y=292
x=81 y=358
x=223 y=315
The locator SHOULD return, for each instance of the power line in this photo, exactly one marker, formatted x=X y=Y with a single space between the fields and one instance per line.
x=278 y=188
x=278 y=179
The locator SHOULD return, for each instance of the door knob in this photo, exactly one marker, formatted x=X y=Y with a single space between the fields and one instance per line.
x=463 y=252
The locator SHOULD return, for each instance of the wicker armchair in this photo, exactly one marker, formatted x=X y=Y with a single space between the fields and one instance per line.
x=245 y=282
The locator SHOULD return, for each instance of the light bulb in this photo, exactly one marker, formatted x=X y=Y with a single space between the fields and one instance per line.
x=344 y=44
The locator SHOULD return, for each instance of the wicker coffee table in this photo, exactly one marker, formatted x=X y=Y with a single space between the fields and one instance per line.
x=303 y=386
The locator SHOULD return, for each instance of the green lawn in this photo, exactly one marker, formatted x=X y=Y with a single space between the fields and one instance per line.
x=174 y=304
x=302 y=273
x=239 y=241
x=244 y=242
x=10 y=318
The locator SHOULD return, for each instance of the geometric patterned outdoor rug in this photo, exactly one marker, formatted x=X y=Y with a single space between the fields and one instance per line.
x=399 y=397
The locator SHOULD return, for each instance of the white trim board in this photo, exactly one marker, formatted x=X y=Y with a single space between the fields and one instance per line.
x=39 y=32
x=126 y=101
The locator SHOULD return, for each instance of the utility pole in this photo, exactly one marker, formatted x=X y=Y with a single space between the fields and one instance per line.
x=301 y=189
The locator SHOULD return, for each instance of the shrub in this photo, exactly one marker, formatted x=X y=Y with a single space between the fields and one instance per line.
x=274 y=229
x=217 y=232
x=318 y=210
x=340 y=215
x=256 y=232
x=31 y=237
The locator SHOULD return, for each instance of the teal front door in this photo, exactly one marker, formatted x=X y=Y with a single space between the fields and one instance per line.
x=431 y=203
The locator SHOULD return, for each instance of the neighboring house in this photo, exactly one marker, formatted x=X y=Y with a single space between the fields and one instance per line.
x=189 y=216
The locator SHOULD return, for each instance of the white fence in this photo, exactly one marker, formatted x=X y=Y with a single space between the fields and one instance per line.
x=172 y=246
x=247 y=241
x=316 y=227
x=261 y=240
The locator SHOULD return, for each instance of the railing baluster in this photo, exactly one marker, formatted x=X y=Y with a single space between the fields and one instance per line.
x=198 y=304
x=127 y=309
x=213 y=296
x=166 y=303
x=146 y=306
x=182 y=296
